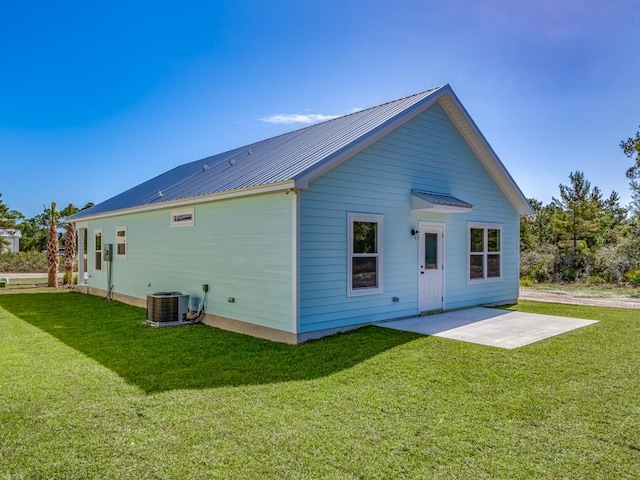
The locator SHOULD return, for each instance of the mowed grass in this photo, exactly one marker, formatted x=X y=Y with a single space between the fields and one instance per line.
x=33 y=285
x=590 y=291
x=88 y=391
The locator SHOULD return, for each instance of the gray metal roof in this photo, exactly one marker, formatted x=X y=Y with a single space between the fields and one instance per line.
x=271 y=161
x=293 y=159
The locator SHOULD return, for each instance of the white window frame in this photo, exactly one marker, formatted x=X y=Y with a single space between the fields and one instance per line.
x=96 y=232
x=179 y=217
x=372 y=218
x=485 y=227
x=121 y=240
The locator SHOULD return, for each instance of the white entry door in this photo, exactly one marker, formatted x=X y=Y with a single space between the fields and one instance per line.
x=431 y=275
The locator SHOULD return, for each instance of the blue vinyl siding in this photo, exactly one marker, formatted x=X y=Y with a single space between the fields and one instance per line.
x=241 y=248
x=427 y=153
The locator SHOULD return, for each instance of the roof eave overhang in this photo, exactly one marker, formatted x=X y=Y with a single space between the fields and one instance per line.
x=241 y=192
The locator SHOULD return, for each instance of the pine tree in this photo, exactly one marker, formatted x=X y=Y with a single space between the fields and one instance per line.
x=631 y=148
x=578 y=204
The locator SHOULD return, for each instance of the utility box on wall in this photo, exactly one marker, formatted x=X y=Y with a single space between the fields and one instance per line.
x=107 y=252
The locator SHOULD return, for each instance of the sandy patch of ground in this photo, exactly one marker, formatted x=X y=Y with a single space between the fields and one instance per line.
x=555 y=296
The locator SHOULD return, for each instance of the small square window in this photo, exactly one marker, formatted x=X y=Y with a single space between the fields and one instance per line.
x=121 y=242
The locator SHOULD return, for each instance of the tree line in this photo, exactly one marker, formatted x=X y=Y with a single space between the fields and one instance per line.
x=42 y=234
x=583 y=234
x=580 y=235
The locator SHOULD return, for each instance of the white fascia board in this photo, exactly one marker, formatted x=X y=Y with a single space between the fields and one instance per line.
x=485 y=152
x=244 y=192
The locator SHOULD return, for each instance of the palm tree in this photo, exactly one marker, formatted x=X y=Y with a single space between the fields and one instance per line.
x=70 y=246
x=52 y=245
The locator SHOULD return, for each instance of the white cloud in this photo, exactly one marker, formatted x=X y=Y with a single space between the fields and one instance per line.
x=306 y=118
x=289 y=118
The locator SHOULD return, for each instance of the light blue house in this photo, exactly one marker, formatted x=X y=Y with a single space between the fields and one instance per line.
x=385 y=213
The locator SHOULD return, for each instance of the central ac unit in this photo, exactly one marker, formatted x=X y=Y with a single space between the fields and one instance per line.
x=166 y=308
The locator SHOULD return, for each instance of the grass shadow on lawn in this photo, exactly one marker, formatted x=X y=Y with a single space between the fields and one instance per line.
x=189 y=357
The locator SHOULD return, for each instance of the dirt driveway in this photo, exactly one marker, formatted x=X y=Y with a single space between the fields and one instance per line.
x=556 y=296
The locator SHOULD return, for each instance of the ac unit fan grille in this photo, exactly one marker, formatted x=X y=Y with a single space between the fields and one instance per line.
x=167 y=307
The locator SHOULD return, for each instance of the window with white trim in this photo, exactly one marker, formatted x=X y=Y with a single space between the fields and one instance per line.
x=121 y=242
x=182 y=218
x=364 y=254
x=484 y=256
x=97 y=248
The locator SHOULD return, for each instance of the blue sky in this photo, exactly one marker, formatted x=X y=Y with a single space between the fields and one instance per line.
x=96 y=97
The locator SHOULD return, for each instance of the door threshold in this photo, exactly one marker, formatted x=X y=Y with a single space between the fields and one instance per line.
x=431 y=312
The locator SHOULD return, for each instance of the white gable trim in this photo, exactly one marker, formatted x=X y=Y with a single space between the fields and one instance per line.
x=364 y=142
x=478 y=143
x=463 y=122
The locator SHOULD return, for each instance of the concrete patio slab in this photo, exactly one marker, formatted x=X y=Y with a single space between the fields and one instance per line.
x=490 y=326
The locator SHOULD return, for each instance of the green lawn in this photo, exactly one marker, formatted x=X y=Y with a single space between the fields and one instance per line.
x=22 y=284
x=590 y=291
x=88 y=391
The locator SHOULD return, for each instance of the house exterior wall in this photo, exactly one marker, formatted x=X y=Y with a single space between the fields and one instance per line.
x=427 y=153
x=11 y=241
x=241 y=248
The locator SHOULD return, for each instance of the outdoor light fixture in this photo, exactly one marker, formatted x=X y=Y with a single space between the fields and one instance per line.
x=415 y=234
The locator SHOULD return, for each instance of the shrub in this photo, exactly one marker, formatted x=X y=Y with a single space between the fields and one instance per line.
x=23 y=262
x=526 y=282
x=611 y=264
x=596 y=280
x=569 y=274
x=633 y=276
x=629 y=248
x=69 y=279
x=539 y=264
x=574 y=266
